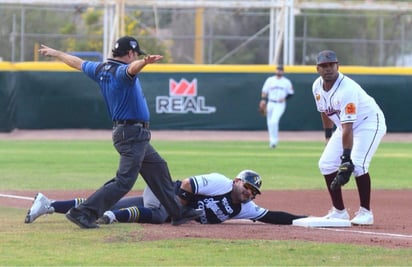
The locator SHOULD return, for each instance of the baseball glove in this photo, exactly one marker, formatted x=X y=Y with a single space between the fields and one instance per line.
x=262 y=111
x=343 y=176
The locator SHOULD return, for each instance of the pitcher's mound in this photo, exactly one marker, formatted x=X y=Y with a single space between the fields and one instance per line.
x=321 y=222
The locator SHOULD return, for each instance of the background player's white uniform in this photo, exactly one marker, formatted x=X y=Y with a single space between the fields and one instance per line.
x=277 y=89
x=348 y=102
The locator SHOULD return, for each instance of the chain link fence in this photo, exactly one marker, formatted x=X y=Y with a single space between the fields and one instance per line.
x=229 y=35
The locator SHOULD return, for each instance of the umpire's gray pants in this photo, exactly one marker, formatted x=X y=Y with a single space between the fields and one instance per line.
x=136 y=155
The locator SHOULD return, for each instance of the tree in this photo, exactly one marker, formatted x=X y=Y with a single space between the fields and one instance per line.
x=90 y=25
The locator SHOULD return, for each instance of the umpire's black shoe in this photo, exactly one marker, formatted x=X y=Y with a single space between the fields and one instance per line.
x=188 y=214
x=82 y=220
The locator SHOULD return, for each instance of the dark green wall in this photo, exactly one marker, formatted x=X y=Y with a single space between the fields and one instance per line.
x=40 y=99
x=7 y=100
x=58 y=100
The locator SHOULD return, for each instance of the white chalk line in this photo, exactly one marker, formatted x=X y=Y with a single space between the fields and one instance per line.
x=367 y=232
x=328 y=229
x=14 y=196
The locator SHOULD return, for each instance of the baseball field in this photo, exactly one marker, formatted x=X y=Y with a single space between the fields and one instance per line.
x=68 y=164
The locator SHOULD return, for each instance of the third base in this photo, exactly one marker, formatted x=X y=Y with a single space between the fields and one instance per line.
x=321 y=222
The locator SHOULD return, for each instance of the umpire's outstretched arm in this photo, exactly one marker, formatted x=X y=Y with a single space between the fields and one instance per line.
x=70 y=60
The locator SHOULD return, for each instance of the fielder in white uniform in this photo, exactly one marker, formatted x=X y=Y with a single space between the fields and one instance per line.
x=275 y=91
x=219 y=197
x=360 y=126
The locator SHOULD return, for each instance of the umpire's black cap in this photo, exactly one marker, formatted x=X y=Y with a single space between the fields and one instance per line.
x=326 y=56
x=126 y=43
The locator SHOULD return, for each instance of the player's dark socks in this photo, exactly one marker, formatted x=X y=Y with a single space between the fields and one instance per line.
x=364 y=189
x=134 y=214
x=66 y=205
x=145 y=215
x=122 y=215
x=336 y=195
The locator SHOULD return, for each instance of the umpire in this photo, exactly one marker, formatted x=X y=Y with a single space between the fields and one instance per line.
x=127 y=107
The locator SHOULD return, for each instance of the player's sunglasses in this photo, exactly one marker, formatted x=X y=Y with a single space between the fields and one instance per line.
x=251 y=188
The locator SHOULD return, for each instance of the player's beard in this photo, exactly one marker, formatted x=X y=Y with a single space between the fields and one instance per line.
x=330 y=77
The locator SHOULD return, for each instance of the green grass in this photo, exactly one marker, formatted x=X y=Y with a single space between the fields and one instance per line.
x=70 y=165
x=35 y=165
x=56 y=243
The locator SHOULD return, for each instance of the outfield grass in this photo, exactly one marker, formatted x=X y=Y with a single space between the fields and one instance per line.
x=41 y=165
x=70 y=165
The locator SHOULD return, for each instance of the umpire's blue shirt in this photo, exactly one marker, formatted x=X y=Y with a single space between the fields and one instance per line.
x=123 y=93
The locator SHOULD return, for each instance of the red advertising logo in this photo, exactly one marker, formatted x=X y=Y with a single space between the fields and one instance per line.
x=182 y=88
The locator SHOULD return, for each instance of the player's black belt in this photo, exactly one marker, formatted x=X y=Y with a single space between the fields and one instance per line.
x=275 y=101
x=142 y=124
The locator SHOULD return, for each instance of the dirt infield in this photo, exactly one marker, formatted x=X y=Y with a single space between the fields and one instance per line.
x=392 y=228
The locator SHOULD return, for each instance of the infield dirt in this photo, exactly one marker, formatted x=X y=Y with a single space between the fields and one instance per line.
x=391 y=208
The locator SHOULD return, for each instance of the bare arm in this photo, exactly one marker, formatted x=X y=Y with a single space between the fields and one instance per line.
x=327 y=125
x=186 y=185
x=185 y=192
x=347 y=135
x=263 y=100
x=326 y=122
x=68 y=59
x=136 y=66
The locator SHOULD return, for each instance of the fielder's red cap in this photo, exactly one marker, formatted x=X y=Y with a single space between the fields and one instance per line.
x=326 y=56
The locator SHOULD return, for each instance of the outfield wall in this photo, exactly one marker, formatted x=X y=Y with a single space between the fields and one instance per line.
x=49 y=95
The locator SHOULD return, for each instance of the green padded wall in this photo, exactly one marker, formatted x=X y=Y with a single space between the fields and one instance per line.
x=7 y=101
x=41 y=96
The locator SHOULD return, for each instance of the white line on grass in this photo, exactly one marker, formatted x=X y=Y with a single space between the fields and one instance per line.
x=14 y=196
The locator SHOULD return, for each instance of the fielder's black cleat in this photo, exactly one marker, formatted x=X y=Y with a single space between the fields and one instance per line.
x=80 y=219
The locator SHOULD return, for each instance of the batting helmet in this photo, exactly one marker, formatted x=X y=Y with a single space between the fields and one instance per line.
x=252 y=178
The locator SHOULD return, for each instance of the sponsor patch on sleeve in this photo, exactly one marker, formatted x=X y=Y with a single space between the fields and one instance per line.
x=350 y=109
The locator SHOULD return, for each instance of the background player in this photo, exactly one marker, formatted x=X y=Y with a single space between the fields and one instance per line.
x=360 y=126
x=275 y=91
x=219 y=197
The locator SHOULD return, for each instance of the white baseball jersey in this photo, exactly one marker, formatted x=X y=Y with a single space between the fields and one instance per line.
x=212 y=195
x=345 y=102
x=277 y=89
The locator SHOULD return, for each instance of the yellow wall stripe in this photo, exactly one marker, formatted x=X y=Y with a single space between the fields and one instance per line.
x=58 y=66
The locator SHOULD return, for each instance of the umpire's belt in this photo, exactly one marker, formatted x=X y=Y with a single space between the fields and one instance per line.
x=142 y=124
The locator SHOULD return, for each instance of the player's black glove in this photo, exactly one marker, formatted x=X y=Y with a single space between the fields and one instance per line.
x=344 y=172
